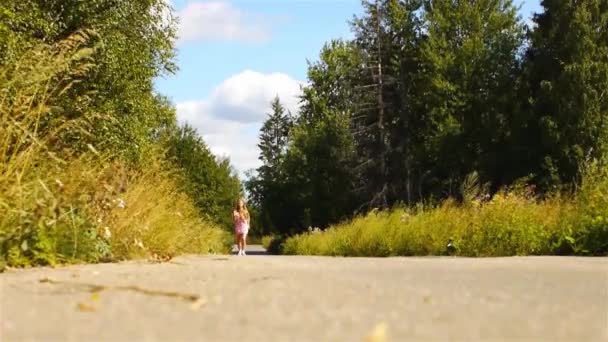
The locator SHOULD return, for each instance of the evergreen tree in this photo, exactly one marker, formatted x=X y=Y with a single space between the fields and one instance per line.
x=567 y=73
x=266 y=188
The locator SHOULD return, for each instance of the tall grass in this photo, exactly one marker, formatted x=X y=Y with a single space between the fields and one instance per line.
x=511 y=223
x=57 y=205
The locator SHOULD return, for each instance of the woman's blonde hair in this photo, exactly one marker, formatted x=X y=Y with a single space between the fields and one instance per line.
x=243 y=210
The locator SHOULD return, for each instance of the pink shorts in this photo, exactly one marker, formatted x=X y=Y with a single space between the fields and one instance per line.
x=241 y=228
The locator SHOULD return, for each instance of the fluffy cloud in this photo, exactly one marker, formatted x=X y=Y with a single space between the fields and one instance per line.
x=230 y=118
x=220 y=20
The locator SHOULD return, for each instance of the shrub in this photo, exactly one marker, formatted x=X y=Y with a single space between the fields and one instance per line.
x=512 y=223
x=586 y=230
x=56 y=206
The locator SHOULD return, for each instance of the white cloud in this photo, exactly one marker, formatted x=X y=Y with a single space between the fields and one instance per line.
x=229 y=120
x=220 y=21
x=243 y=97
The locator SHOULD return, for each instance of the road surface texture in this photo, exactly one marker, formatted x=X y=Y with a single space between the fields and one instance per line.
x=283 y=298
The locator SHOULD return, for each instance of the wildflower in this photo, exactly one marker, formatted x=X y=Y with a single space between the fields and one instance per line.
x=121 y=203
x=107 y=233
x=138 y=243
x=497 y=198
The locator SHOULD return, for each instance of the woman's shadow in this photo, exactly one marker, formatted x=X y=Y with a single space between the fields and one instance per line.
x=252 y=250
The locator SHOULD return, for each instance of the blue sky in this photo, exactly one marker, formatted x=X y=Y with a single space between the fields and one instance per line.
x=235 y=56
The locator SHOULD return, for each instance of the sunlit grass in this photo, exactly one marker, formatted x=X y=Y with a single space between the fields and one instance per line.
x=509 y=224
x=58 y=205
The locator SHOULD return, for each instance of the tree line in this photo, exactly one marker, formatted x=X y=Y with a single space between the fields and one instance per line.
x=429 y=92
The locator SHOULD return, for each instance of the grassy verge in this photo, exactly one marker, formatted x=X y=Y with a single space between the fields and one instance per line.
x=62 y=206
x=510 y=224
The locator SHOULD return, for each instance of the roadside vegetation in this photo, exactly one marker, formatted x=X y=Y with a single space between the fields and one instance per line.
x=93 y=165
x=512 y=222
x=426 y=100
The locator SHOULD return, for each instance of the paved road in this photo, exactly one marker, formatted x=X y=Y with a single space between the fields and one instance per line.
x=281 y=298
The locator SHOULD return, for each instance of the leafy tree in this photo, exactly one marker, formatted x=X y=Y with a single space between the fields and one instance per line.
x=319 y=166
x=211 y=182
x=429 y=94
x=134 y=46
x=321 y=155
x=470 y=69
x=567 y=74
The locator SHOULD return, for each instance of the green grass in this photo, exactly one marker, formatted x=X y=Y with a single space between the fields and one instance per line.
x=512 y=223
x=58 y=206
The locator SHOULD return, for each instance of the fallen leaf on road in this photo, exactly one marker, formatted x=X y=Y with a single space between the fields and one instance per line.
x=378 y=334
x=85 y=307
x=198 y=303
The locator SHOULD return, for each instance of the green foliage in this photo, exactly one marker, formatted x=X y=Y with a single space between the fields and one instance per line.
x=65 y=196
x=430 y=95
x=319 y=167
x=587 y=230
x=510 y=224
x=268 y=188
x=211 y=183
x=470 y=68
x=133 y=45
x=273 y=244
x=567 y=78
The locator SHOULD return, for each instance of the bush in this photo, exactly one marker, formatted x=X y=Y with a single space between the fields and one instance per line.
x=586 y=230
x=157 y=219
x=512 y=223
x=273 y=244
x=57 y=206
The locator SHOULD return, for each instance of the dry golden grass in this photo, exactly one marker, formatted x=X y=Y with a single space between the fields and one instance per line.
x=57 y=206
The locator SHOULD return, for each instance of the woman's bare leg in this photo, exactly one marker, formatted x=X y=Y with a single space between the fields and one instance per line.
x=237 y=241
x=244 y=242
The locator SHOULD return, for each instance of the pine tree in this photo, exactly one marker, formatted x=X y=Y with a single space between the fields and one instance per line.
x=267 y=188
x=274 y=135
x=370 y=117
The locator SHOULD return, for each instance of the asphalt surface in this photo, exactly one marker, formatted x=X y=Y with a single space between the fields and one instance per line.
x=281 y=298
